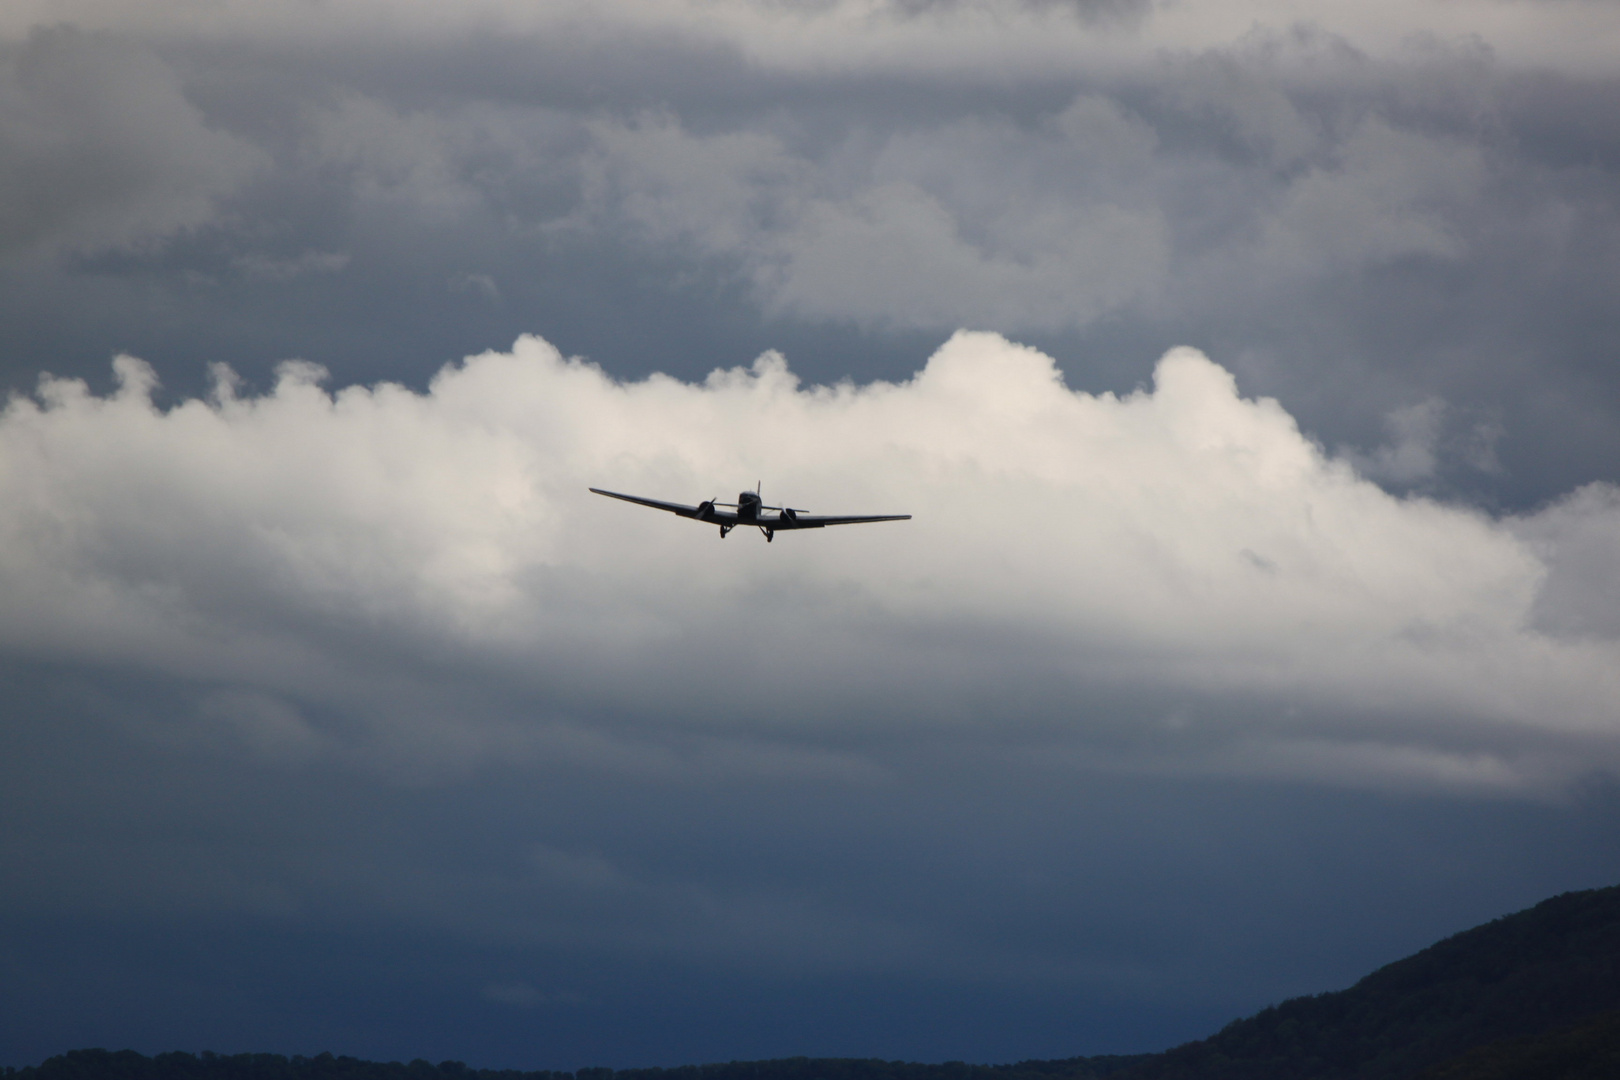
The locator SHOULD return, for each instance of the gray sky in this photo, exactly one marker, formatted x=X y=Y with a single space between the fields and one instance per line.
x=1248 y=369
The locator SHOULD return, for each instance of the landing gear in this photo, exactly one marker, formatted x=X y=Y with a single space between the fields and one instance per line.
x=768 y=534
x=725 y=529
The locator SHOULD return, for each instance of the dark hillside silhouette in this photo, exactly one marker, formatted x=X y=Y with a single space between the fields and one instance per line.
x=1589 y=1051
x=1524 y=974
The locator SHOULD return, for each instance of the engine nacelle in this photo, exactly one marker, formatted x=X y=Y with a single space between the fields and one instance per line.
x=705 y=510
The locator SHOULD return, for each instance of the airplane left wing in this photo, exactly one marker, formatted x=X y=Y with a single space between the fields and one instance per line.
x=703 y=512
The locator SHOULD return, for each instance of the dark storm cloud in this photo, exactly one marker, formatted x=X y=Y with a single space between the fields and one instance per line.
x=953 y=910
x=1360 y=233
x=1160 y=708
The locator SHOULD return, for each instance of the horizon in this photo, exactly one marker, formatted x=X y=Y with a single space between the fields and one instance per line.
x=1487 y=938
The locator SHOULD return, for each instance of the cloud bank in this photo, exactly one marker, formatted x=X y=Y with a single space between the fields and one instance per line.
x=1174 y=579
x=976 y=37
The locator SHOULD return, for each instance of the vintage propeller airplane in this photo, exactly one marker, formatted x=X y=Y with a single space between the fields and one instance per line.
x=750 y=509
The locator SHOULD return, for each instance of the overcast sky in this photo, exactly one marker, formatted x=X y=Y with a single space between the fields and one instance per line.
x=1250 y=371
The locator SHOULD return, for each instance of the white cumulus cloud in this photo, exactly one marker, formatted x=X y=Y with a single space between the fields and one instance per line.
x=1177 y=578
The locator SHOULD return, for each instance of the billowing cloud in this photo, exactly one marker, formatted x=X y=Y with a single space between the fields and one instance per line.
x=1239 y=599
x=1384 y=200
x=919 y=231
x=99 y=147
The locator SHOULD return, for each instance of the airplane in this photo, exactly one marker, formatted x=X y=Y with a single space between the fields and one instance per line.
x=750 y=509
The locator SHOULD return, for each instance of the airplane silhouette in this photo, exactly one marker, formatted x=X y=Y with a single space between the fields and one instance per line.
x=750 y=509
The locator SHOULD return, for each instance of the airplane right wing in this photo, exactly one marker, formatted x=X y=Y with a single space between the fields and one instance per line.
x=791 y=520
